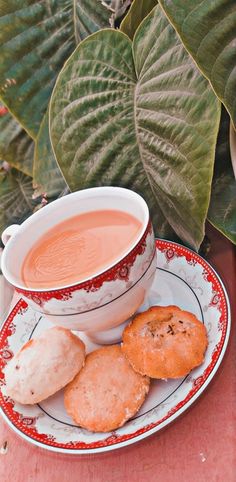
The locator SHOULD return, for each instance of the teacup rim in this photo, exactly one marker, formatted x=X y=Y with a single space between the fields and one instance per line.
x=21 y=288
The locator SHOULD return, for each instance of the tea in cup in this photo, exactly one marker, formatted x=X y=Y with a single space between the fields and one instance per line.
x=86 y=261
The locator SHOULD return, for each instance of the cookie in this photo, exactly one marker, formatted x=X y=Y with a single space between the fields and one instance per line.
x=44 y=365
x=106 y=392
x=165 y=342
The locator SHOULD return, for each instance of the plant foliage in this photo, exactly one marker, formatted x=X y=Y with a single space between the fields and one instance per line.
x=141 y=116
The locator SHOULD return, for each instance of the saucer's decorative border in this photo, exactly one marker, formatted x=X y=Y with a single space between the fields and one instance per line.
x=28 y=426
x=119 y=271
x=172 y=250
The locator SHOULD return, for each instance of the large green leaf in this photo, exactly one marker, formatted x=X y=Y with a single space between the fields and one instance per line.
x=16 y=147
x=137 y=12
x=208 y=31
x=142 y=117
x=16 y=202
x=35 y=40
x=222 y=210
x=47 y=177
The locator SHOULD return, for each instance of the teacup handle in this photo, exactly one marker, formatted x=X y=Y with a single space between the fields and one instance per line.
x=9 y=232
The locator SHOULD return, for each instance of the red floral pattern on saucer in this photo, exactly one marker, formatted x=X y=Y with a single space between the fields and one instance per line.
x=182 y=276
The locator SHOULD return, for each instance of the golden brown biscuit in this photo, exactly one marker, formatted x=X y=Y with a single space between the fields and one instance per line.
x=44 y=365
x=106 y=392
x=165 y=342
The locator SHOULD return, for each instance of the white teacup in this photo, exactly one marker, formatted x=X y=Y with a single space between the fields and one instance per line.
x=102 y=303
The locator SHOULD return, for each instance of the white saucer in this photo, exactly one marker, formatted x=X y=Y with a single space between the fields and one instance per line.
x=182 y=278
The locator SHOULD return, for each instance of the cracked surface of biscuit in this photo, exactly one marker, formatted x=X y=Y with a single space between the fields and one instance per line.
x=107 y=391
x=44 y=365
x=165 y=342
